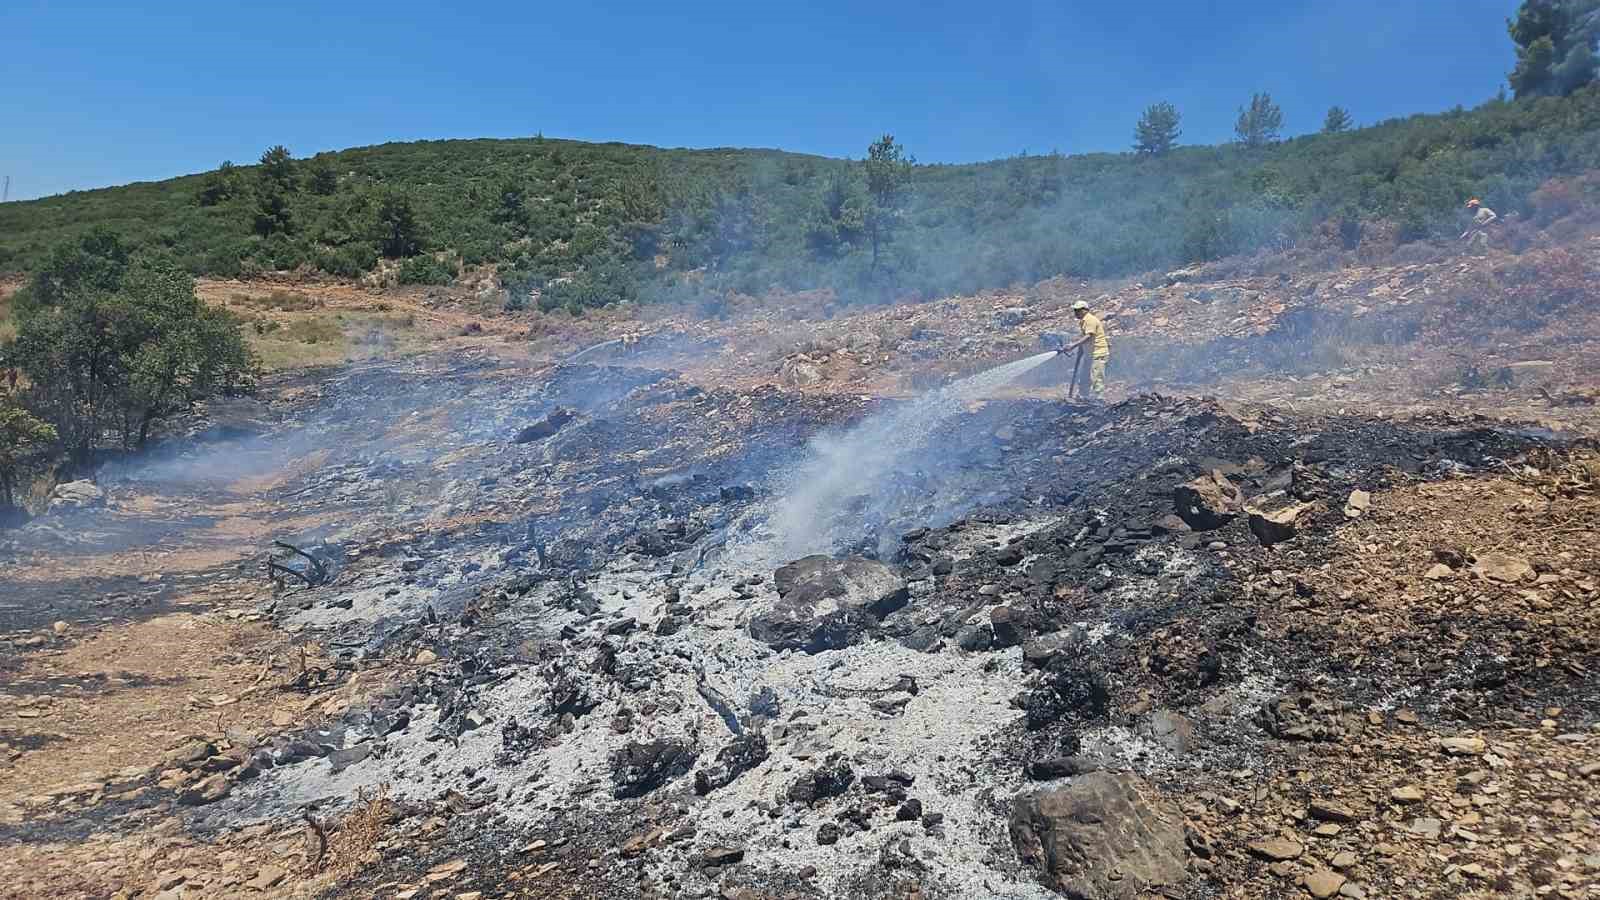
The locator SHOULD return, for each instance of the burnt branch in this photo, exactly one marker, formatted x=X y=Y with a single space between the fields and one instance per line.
x=277 y=570
x=319 y=569
x=316 y=840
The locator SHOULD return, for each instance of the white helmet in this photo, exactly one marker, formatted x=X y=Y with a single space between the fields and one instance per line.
x=1080 y=305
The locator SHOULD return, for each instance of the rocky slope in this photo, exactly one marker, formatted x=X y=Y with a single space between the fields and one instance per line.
x=549 y=637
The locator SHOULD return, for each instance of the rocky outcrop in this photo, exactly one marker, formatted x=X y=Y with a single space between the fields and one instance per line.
x=1208 y=502
x=827 y=604
x=76 y=495
x=1271 y=527
x=799 y=371
x=1105 y=836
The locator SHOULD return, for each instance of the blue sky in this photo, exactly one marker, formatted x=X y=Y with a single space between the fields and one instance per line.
x=100 y=94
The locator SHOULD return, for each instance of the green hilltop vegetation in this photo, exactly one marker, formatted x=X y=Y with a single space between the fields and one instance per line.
x=591 y=224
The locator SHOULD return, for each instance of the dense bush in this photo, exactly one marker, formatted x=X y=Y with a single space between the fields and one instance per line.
x=587 y=224
x=427 y=269
x=24 y=439
x=109 y=342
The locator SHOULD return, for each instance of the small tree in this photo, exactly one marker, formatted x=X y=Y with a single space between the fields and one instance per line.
x=1556 y=46
x=23 y=437
x=278 y=169
x=275 y=181
x=398 y=232
x=888 y=171
x=512 y=212
x=321 y=178
x=178 y=351
x=1260 y=122
x=1157 y=132
x=839 y=217
x=108 y=342
x=95 y=263
x=220 y=186
x=1336 y=121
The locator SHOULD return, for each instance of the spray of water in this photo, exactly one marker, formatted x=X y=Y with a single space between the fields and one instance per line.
x=841 y=469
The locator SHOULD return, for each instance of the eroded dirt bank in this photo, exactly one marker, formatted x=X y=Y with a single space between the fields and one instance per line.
x=557 y=643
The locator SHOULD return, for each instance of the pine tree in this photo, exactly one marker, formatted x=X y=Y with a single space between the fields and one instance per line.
x=275 y=181
x=1260 y=122
x=888 y=172
x=1556 y=43
x=1157 y=131
x=1337 y=120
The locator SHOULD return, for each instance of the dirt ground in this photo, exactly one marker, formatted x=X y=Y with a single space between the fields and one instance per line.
x=1413 y=801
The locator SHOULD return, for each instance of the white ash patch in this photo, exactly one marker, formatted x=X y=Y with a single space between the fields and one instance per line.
x=934 y=739
x=373 y=601
x=975 y=538
x=825 y=705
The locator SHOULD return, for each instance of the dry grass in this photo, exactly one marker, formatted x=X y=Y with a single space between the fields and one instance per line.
x=8 y=325
x=281 y=348
x=353 y=842
x=315 y=330
x=328 y=338
x=282 y=301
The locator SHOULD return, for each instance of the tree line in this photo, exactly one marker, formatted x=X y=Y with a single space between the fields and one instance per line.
x=1259 y=124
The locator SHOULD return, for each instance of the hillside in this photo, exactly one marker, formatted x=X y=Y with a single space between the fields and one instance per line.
x=550 y=607
x=589 y=224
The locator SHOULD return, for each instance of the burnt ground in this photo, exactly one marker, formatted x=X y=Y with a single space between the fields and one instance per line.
x=548 y=658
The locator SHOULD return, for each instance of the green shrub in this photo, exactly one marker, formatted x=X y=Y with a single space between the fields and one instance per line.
x=348 y=261
x=115 y=341
x=427 y=269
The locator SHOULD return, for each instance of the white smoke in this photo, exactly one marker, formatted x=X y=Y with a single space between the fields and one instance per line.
x=850 y=468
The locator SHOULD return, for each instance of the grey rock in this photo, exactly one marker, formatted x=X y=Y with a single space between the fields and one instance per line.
x=1425 y=827
x=76 y=495
x=1010 y=318
x=339 y=760
x=1171 y=730
x=745 y=753
x=639 y=768
x=830 y=779
x=828 y=604
x=1305 y=716
x=1041 y=652
x=974 y=638
x=1052 y=767
x=1208 y=502
x=1010 y=626
x=1103 y=837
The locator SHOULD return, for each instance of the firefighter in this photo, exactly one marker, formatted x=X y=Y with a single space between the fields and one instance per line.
x=1477 y=234
x=1094 y=331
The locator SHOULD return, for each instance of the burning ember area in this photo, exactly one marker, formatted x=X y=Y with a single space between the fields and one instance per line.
x=602 y=631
